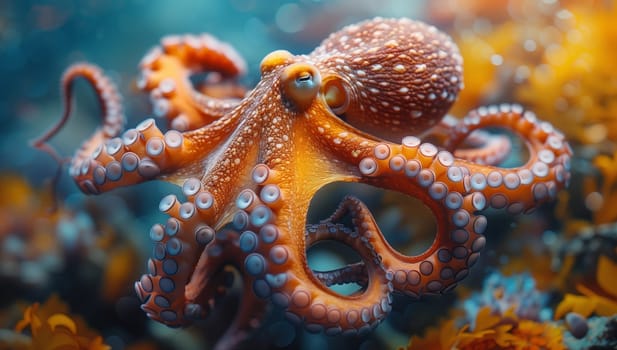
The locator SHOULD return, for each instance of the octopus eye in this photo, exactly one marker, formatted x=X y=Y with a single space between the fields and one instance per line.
x=335 y=95
x=301 y=83
x=304 y=81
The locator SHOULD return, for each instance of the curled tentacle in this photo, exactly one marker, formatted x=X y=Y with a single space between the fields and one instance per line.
x=178 y=246
x=455 y=249
x=282 y=274
x=521 y=188
x=484 y=148
x=456 y=189
x=352 y=273
x=479 y=146
x=166 y=72
x=138 y=155
x=390 y=77
x=288 y=281
x=321 y=308
x=107 y=159
x=225 y=250
x=110 y=102
x=186 y=273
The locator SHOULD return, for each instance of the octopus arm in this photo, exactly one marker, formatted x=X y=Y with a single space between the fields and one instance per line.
x=113 y=119
x=142 y=154
x=484 y=148
x=522 y=188
x=288 y=281
x=187 y=273
x=112 y=157
x=455 y=249
x=454 y=189
x=166 y=71
x=479 y=146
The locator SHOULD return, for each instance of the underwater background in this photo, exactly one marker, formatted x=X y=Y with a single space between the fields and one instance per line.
x=68 y=261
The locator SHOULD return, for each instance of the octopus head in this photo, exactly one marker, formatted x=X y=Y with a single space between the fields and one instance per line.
x=299 y=81
x=389 y=77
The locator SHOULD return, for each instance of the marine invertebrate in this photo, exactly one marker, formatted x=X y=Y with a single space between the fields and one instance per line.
x=249 y=167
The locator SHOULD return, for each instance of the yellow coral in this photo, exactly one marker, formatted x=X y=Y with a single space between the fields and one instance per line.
x=499 y=52
x=479 y=74
x=599 y=197
x=536 y=256
x=121 y=262
x=602 y=302
x=575 y=87
x=556 y=58
x=51 y=327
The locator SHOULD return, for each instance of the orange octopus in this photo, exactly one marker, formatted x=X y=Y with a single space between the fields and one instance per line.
x=359 y=108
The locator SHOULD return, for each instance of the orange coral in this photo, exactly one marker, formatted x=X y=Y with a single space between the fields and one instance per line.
x=492 y=331
x=52 y=327
x=435 y=338
x=534 y=335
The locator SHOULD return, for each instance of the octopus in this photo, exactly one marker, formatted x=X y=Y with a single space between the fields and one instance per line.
x=368 y=105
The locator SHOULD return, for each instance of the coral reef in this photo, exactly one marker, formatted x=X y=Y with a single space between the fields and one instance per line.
x=509 y=313
x=50 y=326
x=543 y=281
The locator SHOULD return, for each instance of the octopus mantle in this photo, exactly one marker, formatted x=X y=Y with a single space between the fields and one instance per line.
x=368 y=105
